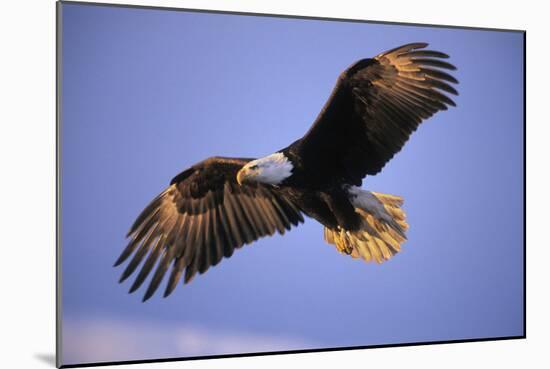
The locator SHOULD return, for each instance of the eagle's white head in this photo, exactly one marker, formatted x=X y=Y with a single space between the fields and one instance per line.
x=272 y=169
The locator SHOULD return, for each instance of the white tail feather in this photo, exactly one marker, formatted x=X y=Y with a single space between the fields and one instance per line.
x=382 y=229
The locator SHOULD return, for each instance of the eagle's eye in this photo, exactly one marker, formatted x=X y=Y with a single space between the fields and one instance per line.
x=253 y=167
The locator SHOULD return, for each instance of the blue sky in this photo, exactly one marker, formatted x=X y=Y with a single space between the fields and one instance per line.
x=147 y=93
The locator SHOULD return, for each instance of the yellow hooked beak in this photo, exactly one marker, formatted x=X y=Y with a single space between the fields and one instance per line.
x=241 y=175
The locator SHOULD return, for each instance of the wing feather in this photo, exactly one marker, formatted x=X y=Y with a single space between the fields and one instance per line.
x=175 y=275
x=140 y=254
x=149 y=263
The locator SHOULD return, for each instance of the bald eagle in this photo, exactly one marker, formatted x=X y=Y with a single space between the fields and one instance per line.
x=221 y=204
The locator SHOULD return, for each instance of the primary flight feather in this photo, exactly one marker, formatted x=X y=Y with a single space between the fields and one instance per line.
x=221 y=204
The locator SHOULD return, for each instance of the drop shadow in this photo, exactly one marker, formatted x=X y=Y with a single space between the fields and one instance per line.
x=46 y=358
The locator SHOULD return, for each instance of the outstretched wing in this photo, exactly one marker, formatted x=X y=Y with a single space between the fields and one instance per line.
x=203 y=216
x=375 y=106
